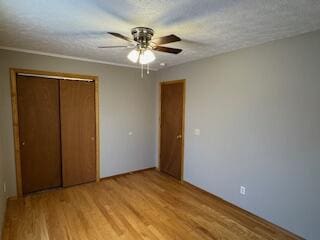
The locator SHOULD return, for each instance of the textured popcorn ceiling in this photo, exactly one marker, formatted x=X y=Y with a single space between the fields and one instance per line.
x=207 y=27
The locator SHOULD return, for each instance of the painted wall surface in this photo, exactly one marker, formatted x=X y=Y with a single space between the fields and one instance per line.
x=126 y=104
x=259 y=116
x=3 y=196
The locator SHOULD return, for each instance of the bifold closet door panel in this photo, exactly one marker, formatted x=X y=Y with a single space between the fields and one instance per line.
x=77 y=109
x=39 y=133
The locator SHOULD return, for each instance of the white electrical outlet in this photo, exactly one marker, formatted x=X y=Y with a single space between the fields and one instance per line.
x=4 y=187
x=242 y=190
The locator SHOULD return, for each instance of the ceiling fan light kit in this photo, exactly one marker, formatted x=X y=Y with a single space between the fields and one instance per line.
x=133 y=56
x=146 y=57
x=144 y=45
x=143 y=56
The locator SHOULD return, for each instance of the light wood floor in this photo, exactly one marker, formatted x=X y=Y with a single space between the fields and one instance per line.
x=144 y=205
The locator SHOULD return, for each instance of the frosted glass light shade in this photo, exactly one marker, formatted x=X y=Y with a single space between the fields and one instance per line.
x=146 y=57
x=133 y=56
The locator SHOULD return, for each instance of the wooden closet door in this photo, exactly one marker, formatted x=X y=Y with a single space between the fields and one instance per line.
x=78 y=127
x=171 y=129
x=39 y=133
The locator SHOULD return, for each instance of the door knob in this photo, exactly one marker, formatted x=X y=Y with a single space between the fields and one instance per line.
x=179 y=136
x=23 y=143
x=92 y=138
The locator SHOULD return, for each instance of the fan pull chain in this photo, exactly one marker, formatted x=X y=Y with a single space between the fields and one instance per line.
x=141 y=70
x=148 y=68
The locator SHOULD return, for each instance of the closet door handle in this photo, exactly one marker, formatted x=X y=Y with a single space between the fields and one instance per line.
x=23 y=143
x=179 y=136
x=92 y=138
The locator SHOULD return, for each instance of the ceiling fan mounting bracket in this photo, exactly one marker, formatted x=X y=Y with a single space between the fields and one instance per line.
x=142 y=35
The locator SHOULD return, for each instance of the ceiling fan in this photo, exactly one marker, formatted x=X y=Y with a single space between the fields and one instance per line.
x=143 y=45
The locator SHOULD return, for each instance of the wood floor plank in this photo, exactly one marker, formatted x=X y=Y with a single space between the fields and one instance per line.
x=146 y=205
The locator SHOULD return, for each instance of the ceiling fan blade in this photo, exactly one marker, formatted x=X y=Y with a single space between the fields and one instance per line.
x=167 y=50
x=166 y=39
x=118 y=35
x=113 y=46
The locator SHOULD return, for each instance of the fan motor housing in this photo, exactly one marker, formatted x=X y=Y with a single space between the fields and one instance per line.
x=142 y=35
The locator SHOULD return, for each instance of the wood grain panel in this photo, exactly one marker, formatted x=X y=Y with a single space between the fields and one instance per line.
x=78 y=131
x=39 y=133
x=144 y=205
x=171 y=129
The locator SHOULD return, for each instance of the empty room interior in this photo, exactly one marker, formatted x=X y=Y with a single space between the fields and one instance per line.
x=160 y=119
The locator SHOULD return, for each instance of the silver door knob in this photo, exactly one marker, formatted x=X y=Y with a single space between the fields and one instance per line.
x=23 y=143
x=179 y=136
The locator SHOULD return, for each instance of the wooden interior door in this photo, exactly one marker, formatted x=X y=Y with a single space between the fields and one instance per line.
x=171 y=129
x=78 y=128
x=39 y=133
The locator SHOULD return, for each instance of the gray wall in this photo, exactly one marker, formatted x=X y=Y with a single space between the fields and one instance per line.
x=259 y=116
x=2 y=194
x=126 y=104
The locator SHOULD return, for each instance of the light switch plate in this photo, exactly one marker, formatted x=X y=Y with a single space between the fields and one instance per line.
x=196 y=132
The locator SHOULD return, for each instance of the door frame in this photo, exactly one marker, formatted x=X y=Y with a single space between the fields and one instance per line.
x=15 y=120
x=183 y=81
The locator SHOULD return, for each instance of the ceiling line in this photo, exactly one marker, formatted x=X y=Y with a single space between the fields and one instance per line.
x=70 y=57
